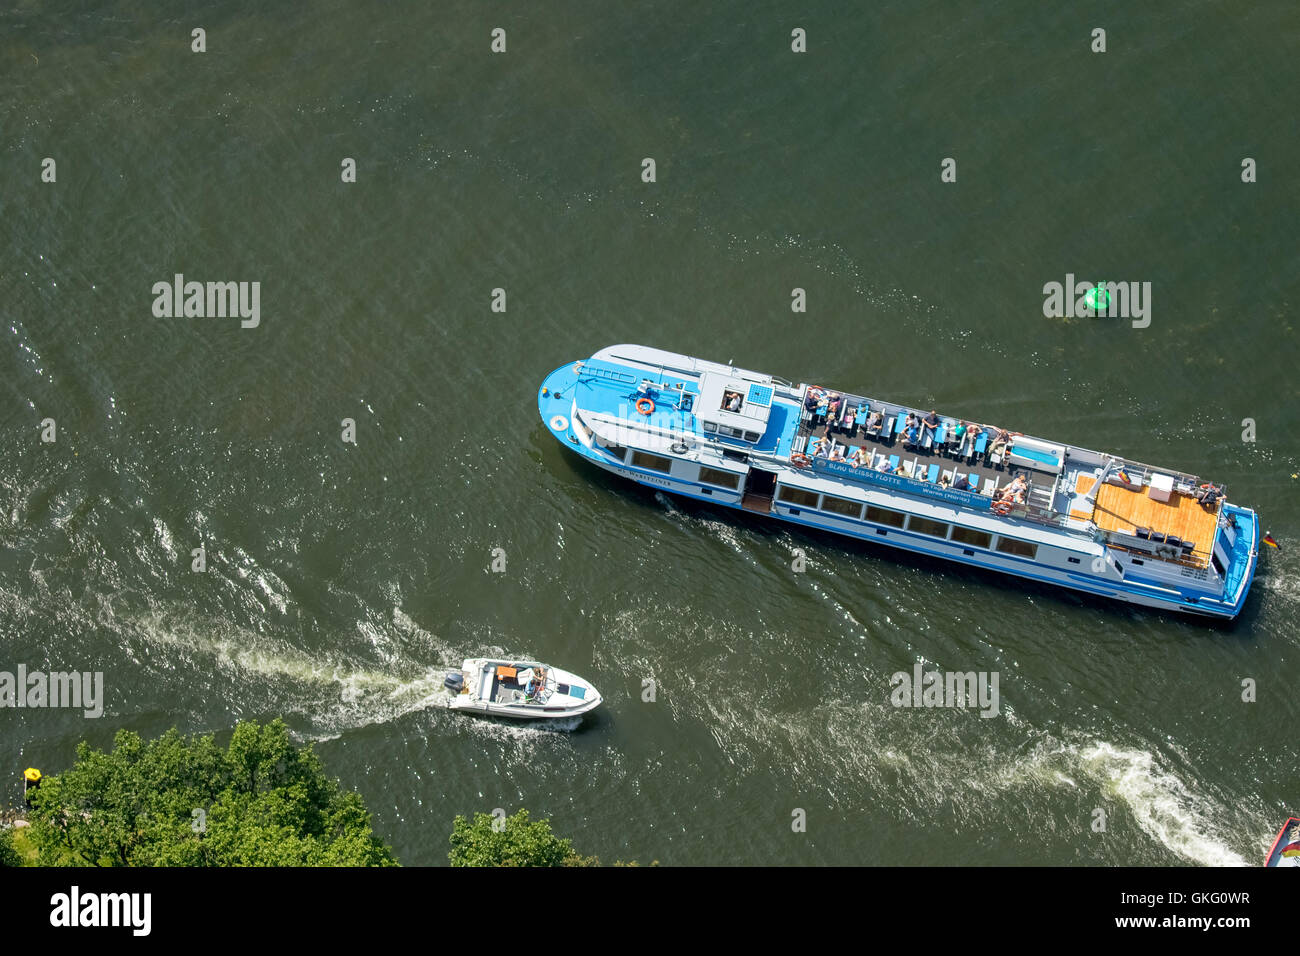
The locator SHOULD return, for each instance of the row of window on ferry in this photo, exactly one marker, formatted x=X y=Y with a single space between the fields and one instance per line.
x=853 y=509
x=710 y=476
x=898 y=519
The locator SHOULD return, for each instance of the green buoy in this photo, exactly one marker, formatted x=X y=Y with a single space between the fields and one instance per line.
x=1097 y=298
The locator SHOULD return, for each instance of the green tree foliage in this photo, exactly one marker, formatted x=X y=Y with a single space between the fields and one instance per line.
x=9 y=855
x=515 y=841
x=260 y=802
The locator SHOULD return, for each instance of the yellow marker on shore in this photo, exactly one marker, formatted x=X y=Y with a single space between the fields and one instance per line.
x=31 y=781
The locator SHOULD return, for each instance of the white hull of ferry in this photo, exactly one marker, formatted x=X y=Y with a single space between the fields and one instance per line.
x=1037 y=573
x=1066 y=551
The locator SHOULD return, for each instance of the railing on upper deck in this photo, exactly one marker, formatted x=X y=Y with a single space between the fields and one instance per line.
x=625 y=378
x=1184 y=483
x=1044 y=516
x=1193 y=560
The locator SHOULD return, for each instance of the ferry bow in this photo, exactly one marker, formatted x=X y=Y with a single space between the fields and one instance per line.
x=908 y=478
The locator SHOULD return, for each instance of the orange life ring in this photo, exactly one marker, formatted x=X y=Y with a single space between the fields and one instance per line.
x=1000 y=507
x=645 y=406
x=800 y=460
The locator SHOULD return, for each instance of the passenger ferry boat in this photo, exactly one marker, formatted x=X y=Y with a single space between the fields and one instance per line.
x=878 y=471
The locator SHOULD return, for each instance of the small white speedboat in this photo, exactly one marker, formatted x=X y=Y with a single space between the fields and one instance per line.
x=523 y=690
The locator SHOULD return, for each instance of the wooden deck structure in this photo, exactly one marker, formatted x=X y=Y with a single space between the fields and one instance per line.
x=1122 y=509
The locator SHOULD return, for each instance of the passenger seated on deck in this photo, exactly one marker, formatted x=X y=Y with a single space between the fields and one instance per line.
x=961 y=484
x=930 y=422
x=885 y=466
x=875 y=421
x=1001 y=438
x=943 y=481
x=1015 y=491
x=1208 y=496
x=911 y=430
x=964 y=435
x=833 y=412
x=837 y=453
x=859 y=457
x=821 y=447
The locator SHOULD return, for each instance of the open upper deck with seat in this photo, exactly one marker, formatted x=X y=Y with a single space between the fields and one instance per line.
x=1157 y=513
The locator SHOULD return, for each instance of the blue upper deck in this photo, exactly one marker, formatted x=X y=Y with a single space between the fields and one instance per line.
x=608 y=388
x=612 y=390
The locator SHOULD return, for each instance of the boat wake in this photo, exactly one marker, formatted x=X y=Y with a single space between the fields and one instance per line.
x=332 y=693
x=920 y=765
x=1161 y=803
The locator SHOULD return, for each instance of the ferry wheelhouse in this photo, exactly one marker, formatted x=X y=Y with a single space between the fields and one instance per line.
x=907 y=478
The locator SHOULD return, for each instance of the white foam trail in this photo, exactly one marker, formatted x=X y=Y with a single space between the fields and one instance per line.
x=335 y=694
x=165 y=541
x=1162 y=805
x=848 y=746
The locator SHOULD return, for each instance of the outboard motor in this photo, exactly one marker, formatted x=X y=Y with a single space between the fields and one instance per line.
x=454 y=681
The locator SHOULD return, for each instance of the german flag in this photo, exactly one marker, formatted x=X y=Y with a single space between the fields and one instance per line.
x=1292 y=850
x=1268 y=540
